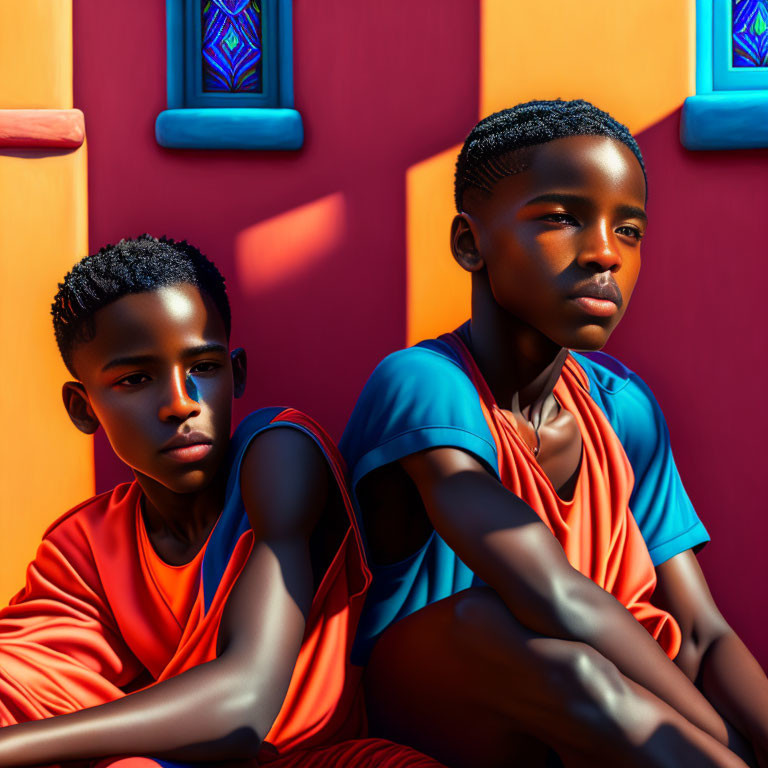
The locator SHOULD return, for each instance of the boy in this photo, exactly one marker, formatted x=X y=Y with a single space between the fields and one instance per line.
x=496 y=640
x=220 y=588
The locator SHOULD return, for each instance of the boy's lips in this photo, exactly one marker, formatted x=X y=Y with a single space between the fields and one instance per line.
x=602 y=291
x=193 y=452
x=597 y=307
x=601 y=299
x=191 y=446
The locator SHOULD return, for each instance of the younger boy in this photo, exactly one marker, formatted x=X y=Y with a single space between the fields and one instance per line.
x=220 y=588
x=495 y=472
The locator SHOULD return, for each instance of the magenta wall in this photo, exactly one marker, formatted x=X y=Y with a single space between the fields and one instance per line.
x=380 y=90
x=379 y=87
x=697 y=331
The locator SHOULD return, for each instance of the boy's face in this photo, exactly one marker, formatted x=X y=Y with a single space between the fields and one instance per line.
x=158 y=377
x=561 y=239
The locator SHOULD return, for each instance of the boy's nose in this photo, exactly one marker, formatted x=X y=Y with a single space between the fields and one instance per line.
x=600 y=250
x=181 y=400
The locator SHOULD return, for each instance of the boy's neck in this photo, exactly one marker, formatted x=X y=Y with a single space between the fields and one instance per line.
x=178 y=522
x=520 y=364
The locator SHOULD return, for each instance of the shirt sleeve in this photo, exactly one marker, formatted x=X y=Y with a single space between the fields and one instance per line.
x=60 y=648
x=659 y=502
x=415 y=399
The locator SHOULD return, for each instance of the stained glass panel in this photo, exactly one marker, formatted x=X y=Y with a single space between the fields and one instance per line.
x=232 y=46
x=750 y=33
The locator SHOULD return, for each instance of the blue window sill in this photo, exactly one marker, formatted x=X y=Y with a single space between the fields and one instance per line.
x=725 y=120
x=230 y=128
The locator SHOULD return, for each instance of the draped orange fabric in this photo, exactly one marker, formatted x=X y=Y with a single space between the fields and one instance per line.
x=595 y=528
x=92 y=623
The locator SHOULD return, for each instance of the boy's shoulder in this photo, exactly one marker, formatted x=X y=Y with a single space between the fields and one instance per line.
x=422 y=385
x=263 y=419
x=96 y=512
x=605 y=371
x=430 y=365
x=416 y=398
x=621 y=393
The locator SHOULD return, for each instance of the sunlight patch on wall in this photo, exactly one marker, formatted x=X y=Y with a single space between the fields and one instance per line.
x=275 y=250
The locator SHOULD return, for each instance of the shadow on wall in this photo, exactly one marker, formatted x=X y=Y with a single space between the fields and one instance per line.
x=697 y=331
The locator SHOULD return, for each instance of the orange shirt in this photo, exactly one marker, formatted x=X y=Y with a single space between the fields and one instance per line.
x=177 y=584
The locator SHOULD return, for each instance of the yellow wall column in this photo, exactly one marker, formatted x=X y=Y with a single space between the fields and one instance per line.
x=46 y=466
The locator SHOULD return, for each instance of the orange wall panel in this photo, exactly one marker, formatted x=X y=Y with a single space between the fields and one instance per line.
x=46 y=466
x=36 y=54
x=635 y=60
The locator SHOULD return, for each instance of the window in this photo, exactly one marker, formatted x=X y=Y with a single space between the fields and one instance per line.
x=230 y=76
x=740 y=45
x=730 y=108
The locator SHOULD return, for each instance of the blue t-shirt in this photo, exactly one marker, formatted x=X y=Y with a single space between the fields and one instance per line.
x=421 y=397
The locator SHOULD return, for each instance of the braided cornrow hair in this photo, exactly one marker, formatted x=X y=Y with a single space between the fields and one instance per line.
x=138 y=265
x=490 y=152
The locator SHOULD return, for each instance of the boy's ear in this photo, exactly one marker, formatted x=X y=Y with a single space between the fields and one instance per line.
x=79 y=407
x=464 y=243
x=239 y=370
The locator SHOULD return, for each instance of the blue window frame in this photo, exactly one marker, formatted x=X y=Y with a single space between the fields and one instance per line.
x=229 y=76
x=730 y=108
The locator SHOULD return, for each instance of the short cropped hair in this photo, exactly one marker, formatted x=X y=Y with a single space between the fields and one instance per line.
x=486 y=155
x=137 y=265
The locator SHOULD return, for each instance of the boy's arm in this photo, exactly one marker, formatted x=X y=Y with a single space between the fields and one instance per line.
x=712 y=654
x=505 y=543
x=223 y=709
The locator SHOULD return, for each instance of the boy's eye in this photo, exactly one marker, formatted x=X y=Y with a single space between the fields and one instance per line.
x=630 y=231
x=132 y=380
x=206 y=367
x=561 y=218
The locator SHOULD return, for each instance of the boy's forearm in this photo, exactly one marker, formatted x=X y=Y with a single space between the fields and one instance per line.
x=217 y=711
x=736 y=684
x=505 y=543
x=594 y=617
x=193 y=716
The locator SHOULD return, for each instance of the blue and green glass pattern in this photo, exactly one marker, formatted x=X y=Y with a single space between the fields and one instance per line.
x=232 y=46
x=750 y=33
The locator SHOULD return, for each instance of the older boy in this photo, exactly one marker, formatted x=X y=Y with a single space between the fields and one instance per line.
x=495 y=471
x=220 y=588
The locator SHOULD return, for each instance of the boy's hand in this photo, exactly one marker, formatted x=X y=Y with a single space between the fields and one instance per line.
x=712 y=654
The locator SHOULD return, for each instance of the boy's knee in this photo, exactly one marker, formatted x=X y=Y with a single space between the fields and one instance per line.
x=477 y=615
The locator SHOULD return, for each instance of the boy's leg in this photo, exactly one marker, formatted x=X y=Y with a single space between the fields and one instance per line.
x=463 y=681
